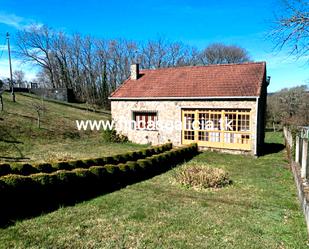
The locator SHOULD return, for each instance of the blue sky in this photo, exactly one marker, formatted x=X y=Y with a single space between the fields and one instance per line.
x=198 y=23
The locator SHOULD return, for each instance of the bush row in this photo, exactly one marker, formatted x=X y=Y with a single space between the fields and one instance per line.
x=26 y=194
x=28 y=169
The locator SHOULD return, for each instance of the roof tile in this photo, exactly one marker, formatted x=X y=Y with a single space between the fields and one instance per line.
x=196 y=81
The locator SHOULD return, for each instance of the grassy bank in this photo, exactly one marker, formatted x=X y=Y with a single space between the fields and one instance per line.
x=259 y=210
x=58 y=137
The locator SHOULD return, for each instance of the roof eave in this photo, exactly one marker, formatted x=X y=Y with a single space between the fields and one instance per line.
x=183 y=98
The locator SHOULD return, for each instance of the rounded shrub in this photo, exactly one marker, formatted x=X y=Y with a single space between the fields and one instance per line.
x=62 y=166
x=45 y=187
x=82 y=173
x=157 y=149
x=167 y=146
x=113 y=175
x=65 y=178
x=18 y=195
x=166 y=160
x=66 y=186
x=180 y=154
x=3 y=186
x=187 y=151
x=201 y=176
x=78 y=164
x=18 y=183
x=123 y=167
x=43 y=179
x=175 y=153
x=89 y=163
x=126 y=174
x=109 y=160
x=132 y=156
x=99 y=161
x=162 y=159
x=145 y=153
x=144 y=164
x=100 y=176
x=110 y=168
x=98 y=171
x=24 y=169
x=151 y=151
x=138 y=155
x=128 y=157
x=119 y=159
x=154 y=160
x=5 y=169
x=84 y=176
x=169 y=161
x=44 y=167
x=169 y=156
x=132 y=165
x=133 y=171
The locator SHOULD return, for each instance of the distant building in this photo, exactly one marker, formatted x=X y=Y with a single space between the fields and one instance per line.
x=220 y=106
x=33 y=85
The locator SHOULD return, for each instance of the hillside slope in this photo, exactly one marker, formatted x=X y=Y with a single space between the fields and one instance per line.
x=58 y=137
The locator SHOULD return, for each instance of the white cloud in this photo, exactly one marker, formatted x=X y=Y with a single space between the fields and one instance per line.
x=17 y=22
x=29 y=69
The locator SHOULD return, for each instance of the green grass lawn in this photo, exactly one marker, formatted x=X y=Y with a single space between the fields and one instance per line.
x=259 y=210
x=58 y=137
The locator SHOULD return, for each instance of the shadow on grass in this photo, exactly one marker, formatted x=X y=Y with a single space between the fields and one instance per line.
x=22 y=115
x=271 y=148
x=25 y=206
x=26 y=201
x=8 y=138
x=10 y=141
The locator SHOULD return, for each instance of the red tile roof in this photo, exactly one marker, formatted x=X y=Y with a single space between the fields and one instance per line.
x=226 y=80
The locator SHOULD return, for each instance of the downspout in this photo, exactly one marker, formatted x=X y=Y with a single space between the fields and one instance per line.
x=256 y=124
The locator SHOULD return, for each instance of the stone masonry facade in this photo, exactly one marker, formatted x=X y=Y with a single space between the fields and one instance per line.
x=170 y=111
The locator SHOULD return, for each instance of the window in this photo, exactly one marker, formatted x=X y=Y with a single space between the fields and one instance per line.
x=144 y=120
x=229 y=128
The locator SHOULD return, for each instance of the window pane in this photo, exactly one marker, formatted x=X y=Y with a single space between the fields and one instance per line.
x=145 y=120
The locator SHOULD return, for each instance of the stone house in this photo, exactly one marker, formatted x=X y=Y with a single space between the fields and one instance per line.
x=218 y=106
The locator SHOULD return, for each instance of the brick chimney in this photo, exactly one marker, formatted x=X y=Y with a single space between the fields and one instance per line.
x=134 y=71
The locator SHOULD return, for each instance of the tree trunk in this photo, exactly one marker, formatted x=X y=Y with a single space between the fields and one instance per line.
x=39 y=121
x=1 y=102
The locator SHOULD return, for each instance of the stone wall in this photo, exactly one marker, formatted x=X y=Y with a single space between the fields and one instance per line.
x=62 y=94
x=170 y=111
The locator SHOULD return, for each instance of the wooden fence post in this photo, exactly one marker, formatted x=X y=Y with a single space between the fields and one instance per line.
x=297 y=149
x=304 y=159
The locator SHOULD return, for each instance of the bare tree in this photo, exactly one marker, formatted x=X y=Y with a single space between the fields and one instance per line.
x=292 y=27
x=19 y=77
x=43 y=79
x=39 y=108
x=34 y=45
x=218 y=53
x=274 y=114
x=94 y=68
x=289 y=107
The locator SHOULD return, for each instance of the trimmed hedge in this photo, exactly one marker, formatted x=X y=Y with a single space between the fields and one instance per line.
x=45 y=190
x=142 y=167
x=28 y=169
